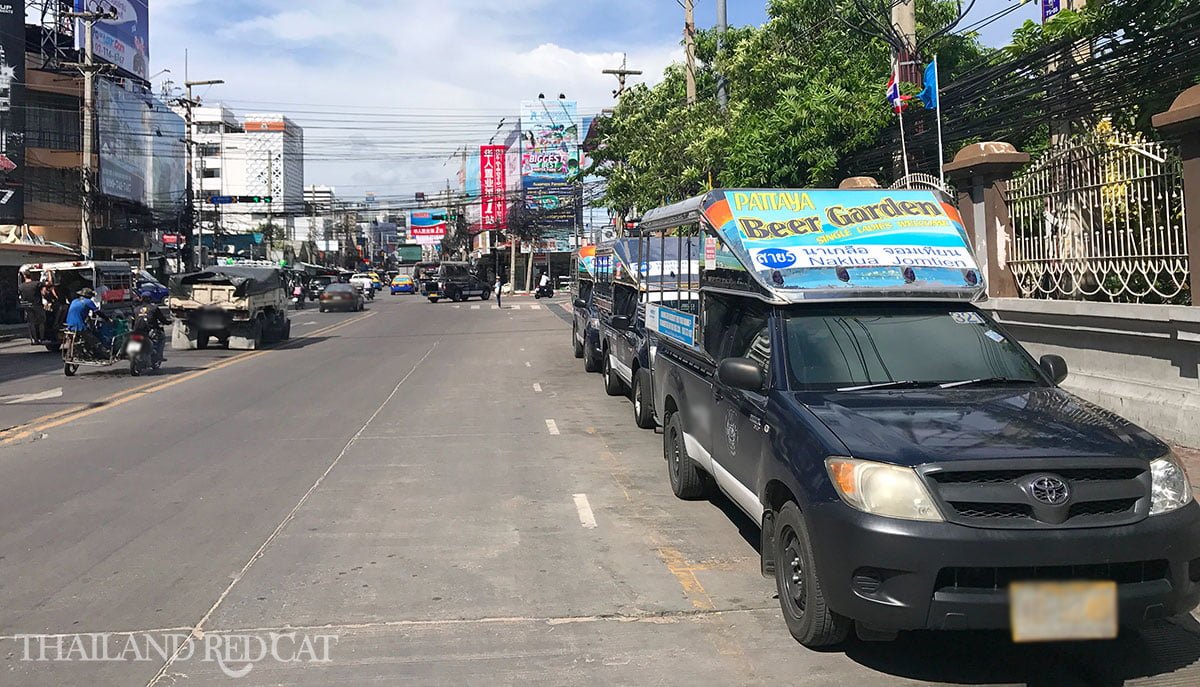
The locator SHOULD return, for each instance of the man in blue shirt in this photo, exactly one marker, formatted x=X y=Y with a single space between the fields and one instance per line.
x=77 y=320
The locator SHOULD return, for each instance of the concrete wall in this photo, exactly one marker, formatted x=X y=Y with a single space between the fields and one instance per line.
x=1140 y=361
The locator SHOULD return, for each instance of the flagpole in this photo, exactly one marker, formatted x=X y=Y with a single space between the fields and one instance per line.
x=900 y=111
x=937 y=86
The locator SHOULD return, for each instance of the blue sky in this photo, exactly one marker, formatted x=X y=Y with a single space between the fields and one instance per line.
x=387 y=91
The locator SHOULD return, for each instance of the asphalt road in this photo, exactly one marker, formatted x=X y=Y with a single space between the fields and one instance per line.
x=440 y=492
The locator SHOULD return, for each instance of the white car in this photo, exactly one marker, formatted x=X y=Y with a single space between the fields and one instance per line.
x=363 y=281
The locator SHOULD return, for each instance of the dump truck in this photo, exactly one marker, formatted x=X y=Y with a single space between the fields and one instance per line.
x=241 y=307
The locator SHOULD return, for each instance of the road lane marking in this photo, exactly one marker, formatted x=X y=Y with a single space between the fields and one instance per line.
x=535 y=307
x=26 y=398
x=198 y=630
x=537 y=387
x=516 y=307
x=474 y=307
x=686 y=575
x=308 y=324
x=495 y=307
x=552 y=427
x=586 y=517
x=41 y=424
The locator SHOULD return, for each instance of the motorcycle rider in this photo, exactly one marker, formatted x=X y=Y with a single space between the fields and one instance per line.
x=77 y=321
x=149 y=320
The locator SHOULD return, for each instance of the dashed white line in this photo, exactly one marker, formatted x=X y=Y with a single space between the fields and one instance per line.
x=537 y=387
x=552 y=427
x=535 y=307
x=495 y=307
x=474 y=307
x=516 y=307
x=586 y=517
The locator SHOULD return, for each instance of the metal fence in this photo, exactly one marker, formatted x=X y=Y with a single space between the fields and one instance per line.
x=1101 y=218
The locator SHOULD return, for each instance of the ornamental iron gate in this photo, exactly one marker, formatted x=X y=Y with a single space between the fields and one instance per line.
x=1100 y=218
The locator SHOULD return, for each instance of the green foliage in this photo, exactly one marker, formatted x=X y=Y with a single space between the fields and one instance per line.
x=805 y=92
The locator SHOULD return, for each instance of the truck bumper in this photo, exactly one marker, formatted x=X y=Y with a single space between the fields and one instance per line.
x=907 y=575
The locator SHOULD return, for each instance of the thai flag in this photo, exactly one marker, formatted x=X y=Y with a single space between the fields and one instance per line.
x=898 y=101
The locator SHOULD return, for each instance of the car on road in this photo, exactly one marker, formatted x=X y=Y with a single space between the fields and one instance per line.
x=402 y=283
x=366 y=281
x=151 y=289
x=341 y=296
x=317 y=284
x=909 y=464
x=456 y=281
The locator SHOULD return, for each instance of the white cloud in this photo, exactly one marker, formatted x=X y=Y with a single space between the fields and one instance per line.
x=382 y=71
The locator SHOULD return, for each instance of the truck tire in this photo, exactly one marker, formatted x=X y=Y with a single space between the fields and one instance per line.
x=808 y=617
x=575 y=344
x=287 y=331
x=643 y=407
x=591 y=362
x=687 y=480
x=613 y=386
x=201 y=340
x=256 y=335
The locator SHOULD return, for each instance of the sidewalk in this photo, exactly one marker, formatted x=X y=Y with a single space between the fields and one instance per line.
x=8 y=332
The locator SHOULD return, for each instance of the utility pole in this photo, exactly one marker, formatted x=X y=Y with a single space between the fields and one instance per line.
x=190 y=226
x=621 y=74
x=722 y=28
x=689 y=48
x=89 y=70
x=271 y=203
x=904 y=21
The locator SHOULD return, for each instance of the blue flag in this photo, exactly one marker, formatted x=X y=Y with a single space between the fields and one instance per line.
x=929 y=96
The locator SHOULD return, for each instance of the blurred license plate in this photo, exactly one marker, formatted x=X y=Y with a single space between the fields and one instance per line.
x=1050 y=611
x=135 y=346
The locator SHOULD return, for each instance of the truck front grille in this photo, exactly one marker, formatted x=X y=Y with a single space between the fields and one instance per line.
x=1101 y=492
x=964 y=578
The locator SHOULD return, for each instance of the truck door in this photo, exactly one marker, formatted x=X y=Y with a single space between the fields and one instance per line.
x=623 y=342
x=739 y=440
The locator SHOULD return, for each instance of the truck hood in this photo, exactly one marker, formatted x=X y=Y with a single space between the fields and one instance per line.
x=912 y=427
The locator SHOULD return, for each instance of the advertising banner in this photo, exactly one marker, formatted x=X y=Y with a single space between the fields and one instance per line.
x=550 y=162
x=427 y=227
x=493 y=182
x=142 y=158
x=12 y=112
x=124 y=41
x=808 y=239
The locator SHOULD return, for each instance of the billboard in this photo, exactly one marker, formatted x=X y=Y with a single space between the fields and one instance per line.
x=493 y=183
x=550 y=131
x=142 y=158
x=12 y=111
x=124 y=41
x=427 y=227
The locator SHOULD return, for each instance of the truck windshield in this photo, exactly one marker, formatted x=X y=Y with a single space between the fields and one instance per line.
x=856 y=346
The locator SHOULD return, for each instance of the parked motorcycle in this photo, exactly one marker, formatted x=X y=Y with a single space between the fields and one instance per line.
x=546 y=291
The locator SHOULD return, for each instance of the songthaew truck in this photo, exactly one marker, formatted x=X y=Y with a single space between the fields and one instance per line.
x=241 y=307
x=633 y=274
x=585 y=333
x=910 y=465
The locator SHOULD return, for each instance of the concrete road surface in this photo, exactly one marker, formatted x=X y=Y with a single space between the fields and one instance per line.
x=419 y=494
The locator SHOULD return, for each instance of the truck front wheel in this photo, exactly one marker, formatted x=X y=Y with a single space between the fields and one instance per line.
x=808 y=617
x=643 y=409
x=687 y=480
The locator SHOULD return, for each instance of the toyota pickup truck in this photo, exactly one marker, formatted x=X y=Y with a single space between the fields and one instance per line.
x=909 y=464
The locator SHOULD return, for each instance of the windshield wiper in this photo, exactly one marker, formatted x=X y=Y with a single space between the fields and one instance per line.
x=986 y=380
x=897 y=384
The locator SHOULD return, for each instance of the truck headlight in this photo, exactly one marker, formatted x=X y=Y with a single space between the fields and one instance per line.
x=881 y=489
x=1169 y=486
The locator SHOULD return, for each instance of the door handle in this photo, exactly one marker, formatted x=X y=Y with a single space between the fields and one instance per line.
x=717 y=395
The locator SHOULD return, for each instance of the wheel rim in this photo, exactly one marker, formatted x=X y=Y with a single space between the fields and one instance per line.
x=793 y=571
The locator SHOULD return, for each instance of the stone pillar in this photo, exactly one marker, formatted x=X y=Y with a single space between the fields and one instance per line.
x=1182 y=121
x=859 y=182
x=982 y=172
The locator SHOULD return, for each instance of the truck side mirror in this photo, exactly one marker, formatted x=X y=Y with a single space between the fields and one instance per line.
x=580 y=303
x=1055 y=367
x=741 y=373
x=620 y=322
